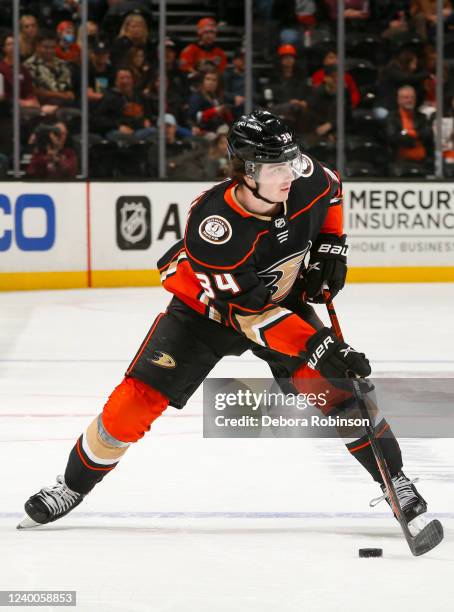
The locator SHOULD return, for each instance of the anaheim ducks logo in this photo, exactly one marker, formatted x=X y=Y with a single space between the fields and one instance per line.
x=164 y=360
x=280 y=277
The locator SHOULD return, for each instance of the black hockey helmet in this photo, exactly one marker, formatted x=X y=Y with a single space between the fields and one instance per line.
x=262 y=137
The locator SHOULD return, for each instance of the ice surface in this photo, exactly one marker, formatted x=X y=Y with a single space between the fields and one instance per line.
x=193 y=524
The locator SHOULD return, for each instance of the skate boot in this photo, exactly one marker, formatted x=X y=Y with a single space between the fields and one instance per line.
x=412 y=503
x=49 y=504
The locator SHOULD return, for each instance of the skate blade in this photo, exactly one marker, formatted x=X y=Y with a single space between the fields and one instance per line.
x=28 y=523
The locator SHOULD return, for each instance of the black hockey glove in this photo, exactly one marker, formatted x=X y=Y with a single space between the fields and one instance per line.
x=333 y=358
x=327 y=265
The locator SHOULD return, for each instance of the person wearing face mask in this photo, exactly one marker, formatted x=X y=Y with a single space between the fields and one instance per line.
x=67 y=48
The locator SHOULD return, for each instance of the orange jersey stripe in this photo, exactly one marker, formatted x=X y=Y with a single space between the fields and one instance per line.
x=236 y=265
x=228 y=197
x=320 y=195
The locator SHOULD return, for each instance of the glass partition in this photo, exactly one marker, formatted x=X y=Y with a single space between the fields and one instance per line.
x=129 y=115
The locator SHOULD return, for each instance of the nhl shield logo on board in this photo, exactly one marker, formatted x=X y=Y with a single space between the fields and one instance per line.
x=133 y=223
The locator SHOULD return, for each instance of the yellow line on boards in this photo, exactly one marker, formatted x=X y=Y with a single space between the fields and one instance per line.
x=18 y=281
x=439 y=274
x=125 y=278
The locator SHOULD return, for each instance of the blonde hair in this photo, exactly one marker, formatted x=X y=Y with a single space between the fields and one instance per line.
x=127 y=22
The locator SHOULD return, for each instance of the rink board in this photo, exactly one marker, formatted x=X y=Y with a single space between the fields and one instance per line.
x=105 y=234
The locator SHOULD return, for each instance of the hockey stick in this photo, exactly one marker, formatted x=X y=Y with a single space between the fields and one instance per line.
x=432 y=534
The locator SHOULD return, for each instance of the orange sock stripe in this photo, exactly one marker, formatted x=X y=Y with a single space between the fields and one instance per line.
x=380 y=433
x=107 y=469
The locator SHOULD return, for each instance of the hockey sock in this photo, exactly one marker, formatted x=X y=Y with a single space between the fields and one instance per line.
x=84 y=469
x=362 y=451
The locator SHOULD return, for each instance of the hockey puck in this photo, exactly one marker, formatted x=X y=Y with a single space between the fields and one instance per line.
x=371 y=552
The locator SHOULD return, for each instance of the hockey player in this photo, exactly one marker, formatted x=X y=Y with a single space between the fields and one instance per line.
x=239 y=281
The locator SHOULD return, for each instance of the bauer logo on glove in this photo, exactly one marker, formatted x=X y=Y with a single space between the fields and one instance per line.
x=333 y=358
x=327 y=267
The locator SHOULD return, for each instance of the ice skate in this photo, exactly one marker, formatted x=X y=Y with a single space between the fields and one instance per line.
x=50 y=504
x=412 y=503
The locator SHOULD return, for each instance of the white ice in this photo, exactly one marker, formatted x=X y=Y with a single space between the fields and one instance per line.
x=193 y=524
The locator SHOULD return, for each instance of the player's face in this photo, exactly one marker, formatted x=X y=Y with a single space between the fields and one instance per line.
x=275 y=181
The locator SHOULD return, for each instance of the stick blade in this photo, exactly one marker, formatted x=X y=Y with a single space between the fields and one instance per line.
x=427 y=538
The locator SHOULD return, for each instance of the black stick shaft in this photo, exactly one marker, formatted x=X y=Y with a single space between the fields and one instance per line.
x=370 y=431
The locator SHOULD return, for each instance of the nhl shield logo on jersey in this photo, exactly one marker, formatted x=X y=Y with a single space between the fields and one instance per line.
x=215 y=229
x=308 y=166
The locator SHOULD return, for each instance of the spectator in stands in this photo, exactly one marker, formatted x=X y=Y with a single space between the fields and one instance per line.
x=195 y=56
x=447 y=134
x=92 y=34
x=134 y=33
x=176 y=147
x=137 y=63
x=289 y=90
x=409 y=132
x=330 y=59
x=176 y=99
x=66 y=10
x=100 y=72
x=322 y=109
x=402 y=70
x=429 y=65
x=28 y=37
x=234 y=83
x=52 y=159
x=67 y=48
x=207 y=109
x=28 y=103
x=217 y=163
x=52 y=78
x=301 y=23
x=171 y=57
x=289 y=83
x=178 y=80
x=355 y=12
x=27 y=98
x=397 y=24
x=123 y=114
x=424 y=16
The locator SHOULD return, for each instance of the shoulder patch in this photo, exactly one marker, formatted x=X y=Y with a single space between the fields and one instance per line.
x=215 y=229
x=308 y=166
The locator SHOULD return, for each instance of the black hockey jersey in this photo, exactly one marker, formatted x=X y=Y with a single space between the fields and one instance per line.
x=237 y=267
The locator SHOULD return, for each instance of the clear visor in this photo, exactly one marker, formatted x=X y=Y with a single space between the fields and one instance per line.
x=275 y=173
